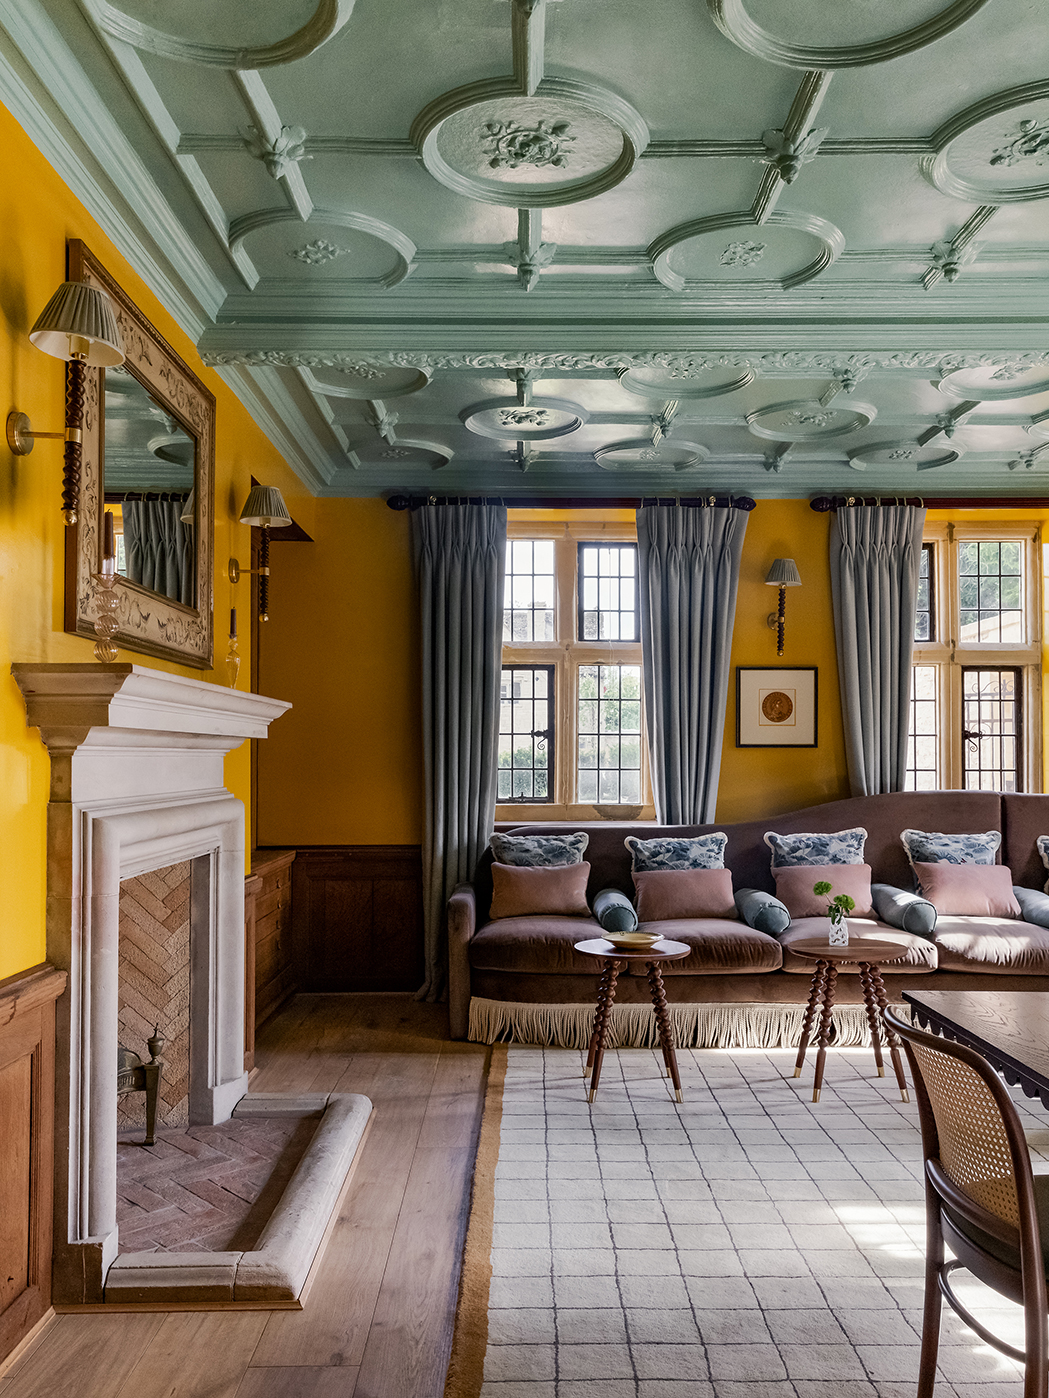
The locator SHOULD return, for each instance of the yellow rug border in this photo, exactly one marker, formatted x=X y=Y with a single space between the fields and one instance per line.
x=470 y=1337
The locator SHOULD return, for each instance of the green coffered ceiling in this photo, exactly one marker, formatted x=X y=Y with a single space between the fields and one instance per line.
x=582 y=246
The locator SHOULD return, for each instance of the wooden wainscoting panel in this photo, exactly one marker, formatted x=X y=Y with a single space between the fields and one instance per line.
x=27 y=1143
x=357 y=917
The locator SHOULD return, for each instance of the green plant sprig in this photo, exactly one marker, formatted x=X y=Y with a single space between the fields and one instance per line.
x=841 y=901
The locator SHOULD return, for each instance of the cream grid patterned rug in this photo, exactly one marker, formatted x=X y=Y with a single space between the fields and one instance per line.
x=749 y=1244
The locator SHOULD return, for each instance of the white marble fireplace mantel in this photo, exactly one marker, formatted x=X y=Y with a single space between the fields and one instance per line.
x=136 y=784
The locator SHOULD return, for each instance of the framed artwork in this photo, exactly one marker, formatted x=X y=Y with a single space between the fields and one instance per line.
x=776 y=706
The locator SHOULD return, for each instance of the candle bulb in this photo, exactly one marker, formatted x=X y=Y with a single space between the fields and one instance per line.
x=109 y=546
x=233 y=623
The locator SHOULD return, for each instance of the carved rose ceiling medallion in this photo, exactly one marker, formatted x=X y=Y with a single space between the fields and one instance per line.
x=996 y=384
x=365 y=381
x=996 y=152
x=903 y=453
x=641 y=453
x=507 y=420
x=568 y=142
x=655 y=381
x=805 y=421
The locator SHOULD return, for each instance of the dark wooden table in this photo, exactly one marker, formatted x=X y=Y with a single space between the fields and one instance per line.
x=866 y=953
x=612 y=957
x=1009 y=1027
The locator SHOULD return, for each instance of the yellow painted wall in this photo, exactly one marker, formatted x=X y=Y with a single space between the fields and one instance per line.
x=756 y=782
x=342 y=643
x=37 y=214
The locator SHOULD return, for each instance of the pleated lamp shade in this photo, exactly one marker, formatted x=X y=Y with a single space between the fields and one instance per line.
x=82 y=313
x=783 y=573
x=265 y=507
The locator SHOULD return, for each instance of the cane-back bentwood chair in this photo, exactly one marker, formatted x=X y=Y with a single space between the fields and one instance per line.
x=982 y=1199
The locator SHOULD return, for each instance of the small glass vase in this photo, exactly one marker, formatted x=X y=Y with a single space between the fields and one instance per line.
x=839 y=930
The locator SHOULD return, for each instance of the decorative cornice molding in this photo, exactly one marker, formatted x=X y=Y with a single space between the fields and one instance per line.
x=326 y=21
x=801 y=362
x=732 y=19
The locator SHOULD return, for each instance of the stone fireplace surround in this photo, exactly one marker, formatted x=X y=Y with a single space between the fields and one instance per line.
x=136 y=784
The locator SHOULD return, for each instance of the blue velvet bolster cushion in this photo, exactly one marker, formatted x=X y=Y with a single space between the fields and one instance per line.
x=615 y=912
x=909 y=912
x=1034 y=905
x=762 y=911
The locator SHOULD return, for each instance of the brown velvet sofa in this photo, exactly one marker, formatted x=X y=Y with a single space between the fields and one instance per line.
x=531 y=961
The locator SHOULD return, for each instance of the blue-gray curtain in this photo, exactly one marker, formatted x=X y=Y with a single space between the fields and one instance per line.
x=158 y=548
x=689 y=570
x=460 y=554
x=875 y=555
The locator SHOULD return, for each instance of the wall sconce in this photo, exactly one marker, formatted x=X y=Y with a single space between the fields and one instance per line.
x=79 y=325
x=265 y=508
x=783 y=574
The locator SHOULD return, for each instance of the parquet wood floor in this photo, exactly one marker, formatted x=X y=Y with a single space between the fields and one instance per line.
x=378 y=1319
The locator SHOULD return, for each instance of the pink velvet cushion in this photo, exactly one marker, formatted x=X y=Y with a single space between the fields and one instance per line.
x=520 y=891
x=969 y=890
x=676 y=893
x=794 y=885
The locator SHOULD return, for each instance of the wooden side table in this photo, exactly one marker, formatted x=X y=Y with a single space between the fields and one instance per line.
x=866 y=953
x=613 y=956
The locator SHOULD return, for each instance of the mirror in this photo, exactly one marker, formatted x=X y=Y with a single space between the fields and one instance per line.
x=148 y=456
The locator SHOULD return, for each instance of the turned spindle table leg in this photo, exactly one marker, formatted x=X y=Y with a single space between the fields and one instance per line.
x=605 y=995
x=819 y=980
x=825 y=1024
x=608 y=974
x=666 y=1033
x=891 y=1038
x=873 y=1017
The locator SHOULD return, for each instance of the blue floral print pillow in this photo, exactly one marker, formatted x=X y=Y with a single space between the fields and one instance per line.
x=839 y=847
x=702 y=852
x=539 y=851
x=931 y=847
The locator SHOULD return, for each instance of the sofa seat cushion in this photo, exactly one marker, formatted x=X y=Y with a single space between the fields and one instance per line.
x=992 y=944
x=721 y=947
x=542 y=943
x=917 y=954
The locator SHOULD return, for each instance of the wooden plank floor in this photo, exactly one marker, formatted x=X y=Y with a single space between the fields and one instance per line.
x=378 y=1320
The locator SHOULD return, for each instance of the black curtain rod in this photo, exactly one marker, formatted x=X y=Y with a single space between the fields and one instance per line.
x=117 y=497
x=822 y=503
x=573 y=502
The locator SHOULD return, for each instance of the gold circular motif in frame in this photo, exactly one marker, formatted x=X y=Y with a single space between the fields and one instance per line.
x=776 y=706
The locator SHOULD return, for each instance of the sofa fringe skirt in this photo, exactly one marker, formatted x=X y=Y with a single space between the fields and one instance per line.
x=718 y=1026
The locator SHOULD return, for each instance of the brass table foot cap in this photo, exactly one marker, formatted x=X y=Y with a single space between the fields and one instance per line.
x=797 y=1072
x=677 y=1094
x=905 y=1096
x=816 y=1095
x=592 y=1095
x=881 y=1072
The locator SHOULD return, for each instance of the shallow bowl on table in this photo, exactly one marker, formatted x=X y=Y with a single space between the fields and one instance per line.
x=633 y=941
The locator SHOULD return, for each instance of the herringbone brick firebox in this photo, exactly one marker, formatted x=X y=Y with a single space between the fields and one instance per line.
x=154 y=985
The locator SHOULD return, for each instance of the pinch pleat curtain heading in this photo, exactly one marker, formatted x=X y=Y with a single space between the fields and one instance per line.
x=875 y=557
x=158 y=548
x=689 y=571
x=460 y=556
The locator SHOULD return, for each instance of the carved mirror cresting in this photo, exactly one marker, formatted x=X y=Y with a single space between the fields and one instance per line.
x=149 y=457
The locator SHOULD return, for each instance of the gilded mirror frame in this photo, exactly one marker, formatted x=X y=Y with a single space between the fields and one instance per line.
x=149 y=622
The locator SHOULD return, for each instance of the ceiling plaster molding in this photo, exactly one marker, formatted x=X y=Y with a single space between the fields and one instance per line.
x=326 y=21
x=529 y=43
x=68 y=122
x=732 y=19
x=267 y=399
x=402 y=246
x=936 y=167
x=952 y=254
x=278 y=146
x=794 y=145
x=832 y=239
x=427 y=126
x=747 y=150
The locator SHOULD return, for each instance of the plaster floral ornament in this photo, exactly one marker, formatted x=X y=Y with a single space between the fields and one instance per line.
x=282 y=155
x=1030 y=142
x=742 y=254
x=511 y=145
x=315 y=254
x=902 y=454
x=395 y=454
x=1008 y=372
x=949 y=260
x=524 y=417
x=786 y=156
x=805 y=418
